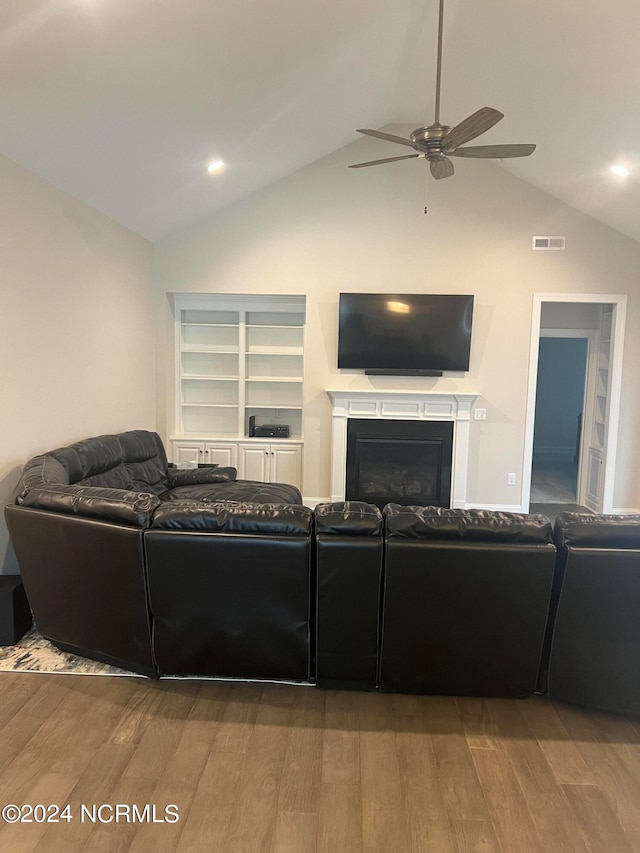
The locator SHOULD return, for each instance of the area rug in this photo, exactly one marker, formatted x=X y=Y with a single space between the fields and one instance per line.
x=35 y=654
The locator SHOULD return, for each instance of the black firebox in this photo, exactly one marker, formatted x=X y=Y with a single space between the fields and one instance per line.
x=404 y=462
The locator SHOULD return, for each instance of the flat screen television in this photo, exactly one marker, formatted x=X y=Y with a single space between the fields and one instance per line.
x=404 y=333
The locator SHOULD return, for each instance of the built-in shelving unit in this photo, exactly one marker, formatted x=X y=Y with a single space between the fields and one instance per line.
x=237 y=357
x=601 y=402
x=602 y=380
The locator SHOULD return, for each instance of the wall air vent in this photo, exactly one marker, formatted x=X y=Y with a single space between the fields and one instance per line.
x=548 y=242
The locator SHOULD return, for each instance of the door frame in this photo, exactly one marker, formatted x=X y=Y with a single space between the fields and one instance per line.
x=619 y=303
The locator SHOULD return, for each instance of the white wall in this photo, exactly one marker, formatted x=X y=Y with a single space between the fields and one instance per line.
x=327 y=229
x=77 y=326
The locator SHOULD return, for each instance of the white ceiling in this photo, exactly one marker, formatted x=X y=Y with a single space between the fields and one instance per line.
x=123 y=103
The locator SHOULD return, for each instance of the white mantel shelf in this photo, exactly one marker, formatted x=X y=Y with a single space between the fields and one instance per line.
x=402 y=405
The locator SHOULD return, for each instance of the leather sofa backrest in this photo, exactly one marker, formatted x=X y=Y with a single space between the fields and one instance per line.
x=581 y=530
x=348 y=518
x=134 y=460
x=115 y=478
x=477 y=525
x=349 y=552
x=231 y=517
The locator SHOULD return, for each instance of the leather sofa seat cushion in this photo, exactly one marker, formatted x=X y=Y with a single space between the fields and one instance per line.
x=582 y=530
x=243 y=491
x=477 y=525
x=231 y=517
x=348 y=518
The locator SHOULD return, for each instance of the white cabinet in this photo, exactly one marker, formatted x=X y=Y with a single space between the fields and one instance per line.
x=224 y=454
x=595 y=473
x=277 y=462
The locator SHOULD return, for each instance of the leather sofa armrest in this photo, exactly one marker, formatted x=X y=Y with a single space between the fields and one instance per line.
x=232 y=517
x=200 y=476
x=134 y=509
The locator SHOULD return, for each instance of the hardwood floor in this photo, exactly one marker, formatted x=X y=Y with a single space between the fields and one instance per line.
x=554 y=478
x=294 y=769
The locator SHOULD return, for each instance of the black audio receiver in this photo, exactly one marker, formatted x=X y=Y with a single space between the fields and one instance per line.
x=271 y=431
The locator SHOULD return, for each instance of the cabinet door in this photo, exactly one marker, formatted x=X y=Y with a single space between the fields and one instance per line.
x=186 y=451
x=254 y=462
x=595 y=471
x=286 y=464
x=223 y=454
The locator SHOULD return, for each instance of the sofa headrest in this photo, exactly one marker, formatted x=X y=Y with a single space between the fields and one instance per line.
x=145 y=460
x=348 y=518
x=132 y=460
x=582 y=530
x=232 y=517
x=469 y=525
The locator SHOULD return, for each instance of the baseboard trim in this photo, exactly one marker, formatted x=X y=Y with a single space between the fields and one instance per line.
x=497 y=507
x=312 y=503
x=624 y=510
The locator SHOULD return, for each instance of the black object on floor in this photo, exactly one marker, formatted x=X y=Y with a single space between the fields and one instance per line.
x=15 y=613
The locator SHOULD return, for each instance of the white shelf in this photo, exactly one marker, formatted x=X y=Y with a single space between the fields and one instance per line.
x=201 y=377
x=274 y=326
x=210 y=405
x=274 y=351
x=293 y=379
x=272 y=406
x=209 y=348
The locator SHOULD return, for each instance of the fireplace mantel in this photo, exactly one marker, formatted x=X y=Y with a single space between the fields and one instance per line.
x=399 y=405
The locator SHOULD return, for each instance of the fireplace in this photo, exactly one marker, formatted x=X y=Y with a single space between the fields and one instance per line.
x=405 y=462
x=451 y=410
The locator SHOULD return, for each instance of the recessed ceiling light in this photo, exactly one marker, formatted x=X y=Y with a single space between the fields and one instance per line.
x=215 y=167
x=620 y=170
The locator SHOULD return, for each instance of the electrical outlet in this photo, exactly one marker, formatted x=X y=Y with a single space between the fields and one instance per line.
x=480 y=414
x=278 y=413
x=511 y=479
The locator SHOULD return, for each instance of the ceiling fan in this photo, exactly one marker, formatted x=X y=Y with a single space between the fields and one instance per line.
x=437 y=142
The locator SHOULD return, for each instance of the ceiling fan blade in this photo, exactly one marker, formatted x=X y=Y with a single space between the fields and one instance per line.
x=388 y=136
x=386 y=160
x=472 y=126
x=441 y=167
x=494 y=152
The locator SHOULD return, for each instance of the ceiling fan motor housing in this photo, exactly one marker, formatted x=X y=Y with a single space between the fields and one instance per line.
x=429 y=139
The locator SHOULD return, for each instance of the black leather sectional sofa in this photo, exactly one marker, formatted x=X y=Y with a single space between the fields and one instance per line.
x=164 y=571
x=106 y=532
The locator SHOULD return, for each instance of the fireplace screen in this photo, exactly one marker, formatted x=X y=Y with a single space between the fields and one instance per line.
x=405 y=462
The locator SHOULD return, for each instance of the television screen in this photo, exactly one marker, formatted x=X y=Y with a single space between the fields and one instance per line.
x=409 y=332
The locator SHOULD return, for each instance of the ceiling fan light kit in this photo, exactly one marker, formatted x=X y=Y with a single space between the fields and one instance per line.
x=438 y=142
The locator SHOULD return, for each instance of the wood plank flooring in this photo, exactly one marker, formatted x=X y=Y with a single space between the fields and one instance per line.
x=289 y=769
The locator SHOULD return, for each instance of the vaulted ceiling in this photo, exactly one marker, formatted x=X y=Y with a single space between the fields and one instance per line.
x=124 y=103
